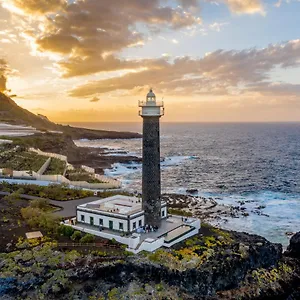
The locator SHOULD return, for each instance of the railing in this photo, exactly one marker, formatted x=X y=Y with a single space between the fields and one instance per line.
x=87 y=245
x=151 y=103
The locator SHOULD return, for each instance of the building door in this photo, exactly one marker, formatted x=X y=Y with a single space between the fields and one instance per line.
x=92 y=221
x=111 y=225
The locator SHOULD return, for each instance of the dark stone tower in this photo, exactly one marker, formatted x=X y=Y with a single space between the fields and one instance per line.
x=151 y=111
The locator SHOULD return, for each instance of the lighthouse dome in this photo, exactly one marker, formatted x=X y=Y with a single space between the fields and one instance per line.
x=151 y=96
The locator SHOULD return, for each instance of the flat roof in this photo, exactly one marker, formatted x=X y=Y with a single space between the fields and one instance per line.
x=118 y=204
x=34 y=235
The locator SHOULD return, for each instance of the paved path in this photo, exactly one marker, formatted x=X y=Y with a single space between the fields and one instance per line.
x=68 y=208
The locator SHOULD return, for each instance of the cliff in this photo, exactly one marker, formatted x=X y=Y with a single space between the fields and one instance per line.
x=11 y=113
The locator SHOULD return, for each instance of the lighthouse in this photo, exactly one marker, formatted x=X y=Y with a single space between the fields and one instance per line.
x=151 y=111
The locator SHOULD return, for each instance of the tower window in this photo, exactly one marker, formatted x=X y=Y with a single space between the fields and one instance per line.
x=82 y=218
x=163 y=213
x=134 y=225
x=100 y=221
x=140 y=223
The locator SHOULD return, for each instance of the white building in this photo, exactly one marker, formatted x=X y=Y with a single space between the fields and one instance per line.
x=118 y=213
x=122 y=218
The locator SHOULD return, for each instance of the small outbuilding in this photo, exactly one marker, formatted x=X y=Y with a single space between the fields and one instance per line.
x=34 y=235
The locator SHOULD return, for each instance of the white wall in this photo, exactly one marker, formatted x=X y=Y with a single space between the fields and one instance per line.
x=88 y=169
x=164 y=209
x=136 y=220
x=48 y=154
x=105 y=219
x=184 y=237
x=123 y=240
x=44 y=167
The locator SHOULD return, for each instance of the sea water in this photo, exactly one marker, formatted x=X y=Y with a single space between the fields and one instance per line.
x=258 y=164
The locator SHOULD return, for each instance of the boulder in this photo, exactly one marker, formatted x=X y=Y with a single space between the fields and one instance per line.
x=293 y=249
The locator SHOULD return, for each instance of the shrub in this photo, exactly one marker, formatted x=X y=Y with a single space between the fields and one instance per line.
x=42 y=204
x=66 y=230
x=88 y=238
x=76 y=236
x=36 y=218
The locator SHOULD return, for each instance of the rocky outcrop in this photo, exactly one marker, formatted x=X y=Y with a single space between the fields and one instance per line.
x=293 y=249
x=249 y=267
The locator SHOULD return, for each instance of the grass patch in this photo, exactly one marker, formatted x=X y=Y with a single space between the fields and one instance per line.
x=59 y=192
x=79 y=174
x=179 y=212
x=56 y=167
x=19 y=160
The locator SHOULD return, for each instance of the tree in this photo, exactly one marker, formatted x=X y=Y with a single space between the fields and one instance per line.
x=76 y=236
x=88 y=238
x=66 y=230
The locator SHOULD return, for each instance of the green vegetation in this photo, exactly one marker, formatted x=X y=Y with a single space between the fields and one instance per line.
x=79 y=174
x=193 y=252
x=19 y=160
x=88 y=238
x=58 y=192
x=37 y=216
x=66 y=230
x=76 y=236
x=56 y=167
x=180 y=212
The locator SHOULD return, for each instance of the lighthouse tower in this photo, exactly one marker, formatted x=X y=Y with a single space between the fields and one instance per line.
x=151 y=111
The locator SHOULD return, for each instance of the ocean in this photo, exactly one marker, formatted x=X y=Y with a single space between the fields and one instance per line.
x=258 y=164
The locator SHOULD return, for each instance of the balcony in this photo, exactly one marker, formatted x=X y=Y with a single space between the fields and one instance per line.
x=151 y=103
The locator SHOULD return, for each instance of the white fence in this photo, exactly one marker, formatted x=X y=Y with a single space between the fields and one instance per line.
x=44 y=167
x=106 y=182
x=88 y=169
x=48 y=154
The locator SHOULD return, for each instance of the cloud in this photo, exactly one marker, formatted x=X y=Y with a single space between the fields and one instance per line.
x=95 y=99
x=276 y=88
x=88 y=35
x=38 y=6
x=3 y=75
x=217 y=26
x=220 y=72
x=243 y=6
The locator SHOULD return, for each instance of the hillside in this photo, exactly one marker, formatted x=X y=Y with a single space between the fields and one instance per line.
x=11 y=113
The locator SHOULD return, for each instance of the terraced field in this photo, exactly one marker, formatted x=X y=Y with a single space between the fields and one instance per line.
x=21 y=160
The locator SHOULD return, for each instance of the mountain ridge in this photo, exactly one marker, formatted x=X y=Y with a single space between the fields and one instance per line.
x=11 y=113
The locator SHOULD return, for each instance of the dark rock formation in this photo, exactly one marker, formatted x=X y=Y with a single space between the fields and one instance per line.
x=293 y=249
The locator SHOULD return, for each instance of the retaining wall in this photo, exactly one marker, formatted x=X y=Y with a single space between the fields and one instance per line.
x=54 y=155
x=44 y=167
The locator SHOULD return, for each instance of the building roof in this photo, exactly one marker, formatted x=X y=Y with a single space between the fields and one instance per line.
x=119 y=204
x=34 y=235
x=151 y=94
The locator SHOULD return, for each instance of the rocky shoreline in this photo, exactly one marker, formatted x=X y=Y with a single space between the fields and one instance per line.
x=215 y=264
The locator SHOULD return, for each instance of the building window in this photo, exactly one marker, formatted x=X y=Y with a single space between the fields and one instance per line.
x=121 y=226
x=134 y=225
x=111 y=225
x=100 y=221
x=82 y=218
x=163 y=213
x=140 y=223
x=92 y=220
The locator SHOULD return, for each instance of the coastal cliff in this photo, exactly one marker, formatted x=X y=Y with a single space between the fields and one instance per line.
x=216 y=264
x=11 y=113
x=55 y=138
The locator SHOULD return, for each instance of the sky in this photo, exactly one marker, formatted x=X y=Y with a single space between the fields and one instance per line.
x=209 y=60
